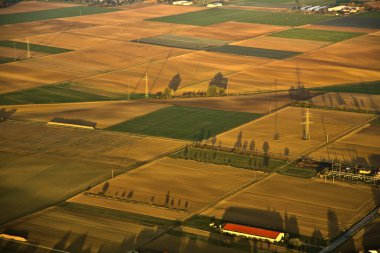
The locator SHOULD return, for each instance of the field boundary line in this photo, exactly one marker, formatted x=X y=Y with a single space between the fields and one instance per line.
x=36 y=245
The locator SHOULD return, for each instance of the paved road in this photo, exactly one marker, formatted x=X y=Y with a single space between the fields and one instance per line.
x=352 y=231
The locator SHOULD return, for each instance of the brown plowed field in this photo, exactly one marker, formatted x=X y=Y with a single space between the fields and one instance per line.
x=33 y=6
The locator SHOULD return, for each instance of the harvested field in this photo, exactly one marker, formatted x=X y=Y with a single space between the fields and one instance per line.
x=42 y=180
x=252 y=51
x=362 y=102
x=83 y=229
x=98 y=146
x=33 y=6
x=187 y=123
x=317 y=35
x=105 y=114
x=23 y=30
x=257 y=103
x=187 y=185
x=291 y=131
x=170 y=40
x=231 y=30
x=298 y=206
x=67 y=40
x=193 y=68
x=19 y=53
x=284 y=44
x=131 y=31
x=360 y=148
x=77 y=10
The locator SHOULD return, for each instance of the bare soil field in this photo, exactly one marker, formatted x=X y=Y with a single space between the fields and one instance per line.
x=83 y=144
x=67 y=40
x=62 y=228
x=19 y=53
x=360 y=148
x=22 y=30
x=257 y=103
x=289 y=121
x=295 y=45
x=298 y=206
x=181 y=184
x=193 y=68
x=131 y=31
x=231 y=31
x=105 y=114
x=356 y=101
x=33 y=6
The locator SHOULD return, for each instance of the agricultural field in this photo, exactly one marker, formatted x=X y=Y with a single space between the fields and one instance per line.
x=79 y=228
x=256 y=103
x=22 y=17
x=230 y=31
x=361 y=147
x=33 y=47
x=290 y=129
x=370 y=88
x=18 y=54
x=185 y=123
x=183 y=42
x=297 y=206
x=180 y=184
x=251 y=51
x=354 y=101
x=33 y=6
x=285 y=44
x=104 y=114
x=195 y=70
x=40 y=150
x=354 y=21
x=318 y=35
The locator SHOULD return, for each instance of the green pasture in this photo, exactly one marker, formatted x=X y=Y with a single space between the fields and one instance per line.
x=317 y=35
x=364 y=88
x=252 y=51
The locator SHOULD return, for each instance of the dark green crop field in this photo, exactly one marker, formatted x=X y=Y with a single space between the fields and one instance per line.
x=33 y=47
x=371 y=21
x=22 y=17
x=298 y=172
x=183 y=42
x=364 y=88
x=214 y=16
x=184 y=123
x=48 y=94
x=252 y=51
x=6 y=59
x=318 y=35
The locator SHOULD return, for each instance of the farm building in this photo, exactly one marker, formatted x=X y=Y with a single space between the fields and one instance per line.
x=215 y=4
x=186 y=3
x=252 y=232
x=345 y=9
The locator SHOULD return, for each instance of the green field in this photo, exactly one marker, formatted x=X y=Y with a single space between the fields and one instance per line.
x=214 y=16
x=49 y=94
x=32 y=182
x=33 y=47
x=6 y=59
x=238 y=160
x=185 y=123
x=297 y=172
x=371 y=21
x=318 y=35
x=21 y=17
x=364 y=88
x=183 y=42
x=252 y=51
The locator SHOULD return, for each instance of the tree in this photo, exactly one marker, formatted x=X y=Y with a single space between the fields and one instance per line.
x=167 y=199
x=252 y=146
x=167 y=93
x=238 y=143
x=266 y=147
x=213 y=141
x=219 y=81
x=175 y=82
x=245 y=144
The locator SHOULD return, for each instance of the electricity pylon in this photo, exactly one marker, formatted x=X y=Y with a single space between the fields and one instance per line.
x=306 y=130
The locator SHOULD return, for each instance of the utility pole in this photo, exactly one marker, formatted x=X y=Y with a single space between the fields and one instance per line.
x=146 y=85
x=28 y=49
x=112 y=174
x=306 y=130
x=276 y=133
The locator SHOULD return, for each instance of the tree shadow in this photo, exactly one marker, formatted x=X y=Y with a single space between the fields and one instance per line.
x=6 y=114
x=61 y=244
x=175 y=82
x=333 y=227
x=78 y=244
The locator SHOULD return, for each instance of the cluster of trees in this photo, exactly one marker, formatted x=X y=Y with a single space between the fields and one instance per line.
x=171 y=89
x=217 y=86
x=299 y=93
